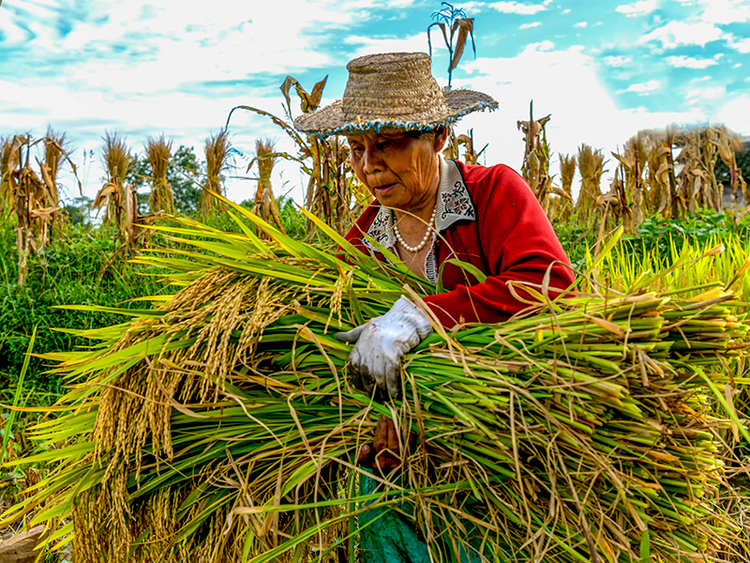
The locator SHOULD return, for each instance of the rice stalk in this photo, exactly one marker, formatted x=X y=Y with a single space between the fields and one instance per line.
x=217 y=149
x=591 y=167
x=221 y=422
x=567 y=172
x=158 y=153
x=265 y=205
x=116 y=161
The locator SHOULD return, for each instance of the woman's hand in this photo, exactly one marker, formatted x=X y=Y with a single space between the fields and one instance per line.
x=381 y=344
x=384 y=453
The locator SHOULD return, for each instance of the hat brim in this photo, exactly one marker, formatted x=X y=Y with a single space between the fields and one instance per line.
x=330 y=120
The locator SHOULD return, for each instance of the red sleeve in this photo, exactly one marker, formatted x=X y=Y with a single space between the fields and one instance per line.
x=512 y=239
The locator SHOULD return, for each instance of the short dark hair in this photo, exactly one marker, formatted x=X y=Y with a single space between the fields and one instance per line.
x=419 y=134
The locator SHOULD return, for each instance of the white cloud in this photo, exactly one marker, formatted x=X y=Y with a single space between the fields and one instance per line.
x=565 y=84
x=702 y=94
x=642 y=8
x=677 y=33
x=371 y=45
x=11 y=32
x=642 y=88
x=736 y=114
x=530 y=25
x=470 y=7
x=724 y=12
x=542 y=46
x=739 y=45
x=581 y=24
x=689 y=62
x=618 y=61
x=566 y=11
x=518 y=8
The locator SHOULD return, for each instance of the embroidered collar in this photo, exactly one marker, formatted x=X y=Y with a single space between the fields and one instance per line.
x=453 y=204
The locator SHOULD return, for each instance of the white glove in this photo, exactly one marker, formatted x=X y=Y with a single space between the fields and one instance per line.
x=382 y=342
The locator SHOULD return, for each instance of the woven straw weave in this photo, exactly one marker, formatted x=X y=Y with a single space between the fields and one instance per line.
x=392 y=91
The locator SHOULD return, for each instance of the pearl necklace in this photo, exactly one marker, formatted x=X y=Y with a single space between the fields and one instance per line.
x=422 y=244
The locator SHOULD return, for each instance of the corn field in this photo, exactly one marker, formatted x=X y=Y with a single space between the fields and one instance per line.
x=649 y=180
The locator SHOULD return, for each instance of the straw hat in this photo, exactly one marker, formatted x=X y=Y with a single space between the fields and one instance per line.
x=392 y=90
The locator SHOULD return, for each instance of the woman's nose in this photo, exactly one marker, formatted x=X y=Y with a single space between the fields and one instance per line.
x=371 y=161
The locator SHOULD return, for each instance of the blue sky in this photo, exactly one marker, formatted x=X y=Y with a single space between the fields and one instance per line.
x=603 y=69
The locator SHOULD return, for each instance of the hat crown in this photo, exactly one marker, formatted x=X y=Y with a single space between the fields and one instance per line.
x=393 y=87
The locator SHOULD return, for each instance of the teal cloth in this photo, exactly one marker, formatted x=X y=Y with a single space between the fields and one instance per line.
x=393 y=537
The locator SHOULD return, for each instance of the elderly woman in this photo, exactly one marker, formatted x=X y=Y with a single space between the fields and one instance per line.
x=428 y=211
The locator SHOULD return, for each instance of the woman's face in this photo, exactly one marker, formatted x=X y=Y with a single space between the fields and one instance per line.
x=401 y=172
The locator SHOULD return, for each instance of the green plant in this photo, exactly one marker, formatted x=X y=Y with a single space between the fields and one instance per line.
x=223 y=424
x=19 y=392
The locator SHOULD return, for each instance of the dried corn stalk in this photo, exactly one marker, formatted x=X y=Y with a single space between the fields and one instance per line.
x=470 y=155
x=729 y=144
x=332 y=188
x=34 y=197
x=630 y=192
x=8 y=163
x=536 y=157
x=452 y=20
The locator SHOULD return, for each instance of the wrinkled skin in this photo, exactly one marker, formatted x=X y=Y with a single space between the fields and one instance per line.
x=402 y=172
x=384 y=453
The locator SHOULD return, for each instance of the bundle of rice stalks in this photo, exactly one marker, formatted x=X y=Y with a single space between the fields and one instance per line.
x=591 y=167
x=220 y=424
x=116 y=161
x=265 y=204
x=567 y=172
x=158 y=152
x=217 y=160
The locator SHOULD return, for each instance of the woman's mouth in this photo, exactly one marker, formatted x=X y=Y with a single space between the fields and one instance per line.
x=384 y=188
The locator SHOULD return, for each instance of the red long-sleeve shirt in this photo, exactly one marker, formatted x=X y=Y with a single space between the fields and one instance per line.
x=488 y=217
